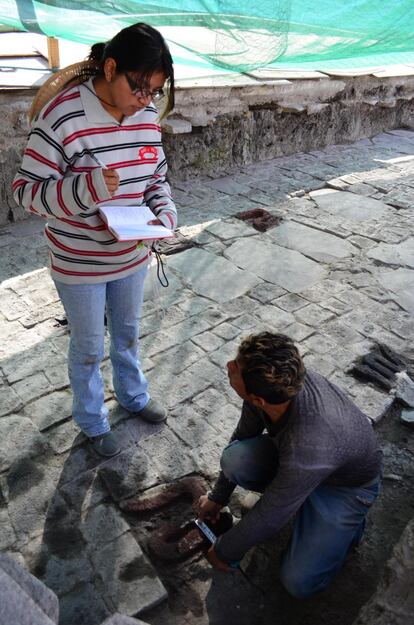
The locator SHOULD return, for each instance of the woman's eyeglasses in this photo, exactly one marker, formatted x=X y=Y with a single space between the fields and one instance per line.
x=139 y=92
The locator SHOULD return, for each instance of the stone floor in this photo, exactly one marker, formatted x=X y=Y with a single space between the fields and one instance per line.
x=337 y=275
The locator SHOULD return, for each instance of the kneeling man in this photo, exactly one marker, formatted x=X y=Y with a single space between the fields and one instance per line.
x=312 y=453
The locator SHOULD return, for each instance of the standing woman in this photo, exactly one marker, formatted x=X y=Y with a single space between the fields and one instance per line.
x=106 y=116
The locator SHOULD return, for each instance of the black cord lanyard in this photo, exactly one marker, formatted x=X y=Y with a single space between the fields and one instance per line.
x=162 y=278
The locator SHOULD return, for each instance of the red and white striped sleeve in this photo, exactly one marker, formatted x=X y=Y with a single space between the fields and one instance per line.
x=158 y=194
x=44 y=184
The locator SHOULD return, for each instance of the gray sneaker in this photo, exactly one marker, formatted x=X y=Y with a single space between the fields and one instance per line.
x=153 y=412
x=105 y=445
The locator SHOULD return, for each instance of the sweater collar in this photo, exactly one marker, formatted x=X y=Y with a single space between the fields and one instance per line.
x=95 y=112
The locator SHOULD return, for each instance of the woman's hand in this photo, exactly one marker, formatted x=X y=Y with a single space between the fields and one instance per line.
x=111 y=178
x=155 y=222
x=207 y=509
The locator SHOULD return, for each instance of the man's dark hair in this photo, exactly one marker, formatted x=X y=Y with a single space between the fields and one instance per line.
x=271 y=367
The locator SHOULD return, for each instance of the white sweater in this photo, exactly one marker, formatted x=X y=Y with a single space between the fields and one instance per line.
x=59 y=180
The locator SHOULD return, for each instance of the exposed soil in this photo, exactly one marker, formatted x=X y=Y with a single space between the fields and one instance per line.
x=200 y=595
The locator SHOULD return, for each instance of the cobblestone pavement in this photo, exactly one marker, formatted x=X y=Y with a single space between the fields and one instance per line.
x=337 y=275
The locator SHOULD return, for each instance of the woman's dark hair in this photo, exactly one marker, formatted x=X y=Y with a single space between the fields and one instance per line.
x=138 y=48
x=271 y=367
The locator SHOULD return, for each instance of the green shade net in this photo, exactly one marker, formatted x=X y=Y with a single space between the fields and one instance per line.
x=234 y=35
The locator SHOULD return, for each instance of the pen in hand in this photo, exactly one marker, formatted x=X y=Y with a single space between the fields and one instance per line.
x=111 y=176
x=98 y=161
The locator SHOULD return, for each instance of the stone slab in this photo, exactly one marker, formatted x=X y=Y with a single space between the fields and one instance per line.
x=83 y=604
x=314 y=315
x=350 y=206
x=191 y=426
x=212 y=276
x=128 y=473
x=240 y=305
x=278 y=265
x=265 y=292
x=195 y=305
x=63 y=574
x=50 y=409
x=186 y=329
x=290 y=302
x=208 y=341
x=101 y=525
x=11 y=305
x=84 y=492
x=320 y=246
x=10 y=401
x=28 y=362
x=228 y=352
x=324 y=365
x=130 y=584
x=64 y=436
x=161 y=318
x=372 y=402
x=156 y=296
x=401 y=283
x=298 y=331
x=275 y=318
x=186 y=385
x=177 y=358
x=169 y=456
x=226 y=331
x=228 y=186
x=340 y=332
x=7 y=535
x=223 y=419
x=32 y=490
x=230 y=230
x=400 y=254
x=32 y=387
x=18 y=438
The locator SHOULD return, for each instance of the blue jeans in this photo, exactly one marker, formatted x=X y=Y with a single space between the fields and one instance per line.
x=85 y=306
x=328 y=524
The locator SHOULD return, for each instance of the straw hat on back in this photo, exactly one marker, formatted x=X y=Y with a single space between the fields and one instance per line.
x=68 y=76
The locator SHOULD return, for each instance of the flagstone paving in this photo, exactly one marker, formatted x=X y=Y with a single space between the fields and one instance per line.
x=337 y=275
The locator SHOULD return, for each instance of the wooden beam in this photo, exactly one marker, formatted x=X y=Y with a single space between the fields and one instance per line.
x=53 y=53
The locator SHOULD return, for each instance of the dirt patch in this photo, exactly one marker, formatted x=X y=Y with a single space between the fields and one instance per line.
x=199 y=595
x=260 y=219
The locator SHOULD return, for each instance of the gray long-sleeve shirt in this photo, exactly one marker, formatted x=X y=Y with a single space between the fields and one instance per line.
x=322 y=438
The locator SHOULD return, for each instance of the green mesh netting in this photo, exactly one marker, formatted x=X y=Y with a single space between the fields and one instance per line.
x=236 y=35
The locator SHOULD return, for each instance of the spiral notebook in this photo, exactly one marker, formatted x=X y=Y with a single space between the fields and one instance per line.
x=130 y=223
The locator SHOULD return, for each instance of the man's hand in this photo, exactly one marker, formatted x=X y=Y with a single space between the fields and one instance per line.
x=217 y=563
x=155 y=222
x=111 y=178
x=207 y=509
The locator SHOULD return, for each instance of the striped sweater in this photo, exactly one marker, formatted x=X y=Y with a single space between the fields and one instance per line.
x=59 y=180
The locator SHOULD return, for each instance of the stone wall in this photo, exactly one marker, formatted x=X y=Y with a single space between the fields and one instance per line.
x=249 y=124
x=217 y=129
x=13 y=134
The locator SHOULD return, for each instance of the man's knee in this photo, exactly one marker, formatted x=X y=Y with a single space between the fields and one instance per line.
x=231 y=463
x=299 y=584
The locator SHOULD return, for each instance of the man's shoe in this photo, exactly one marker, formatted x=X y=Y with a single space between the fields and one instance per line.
x=105 y=445
x=153 y=412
